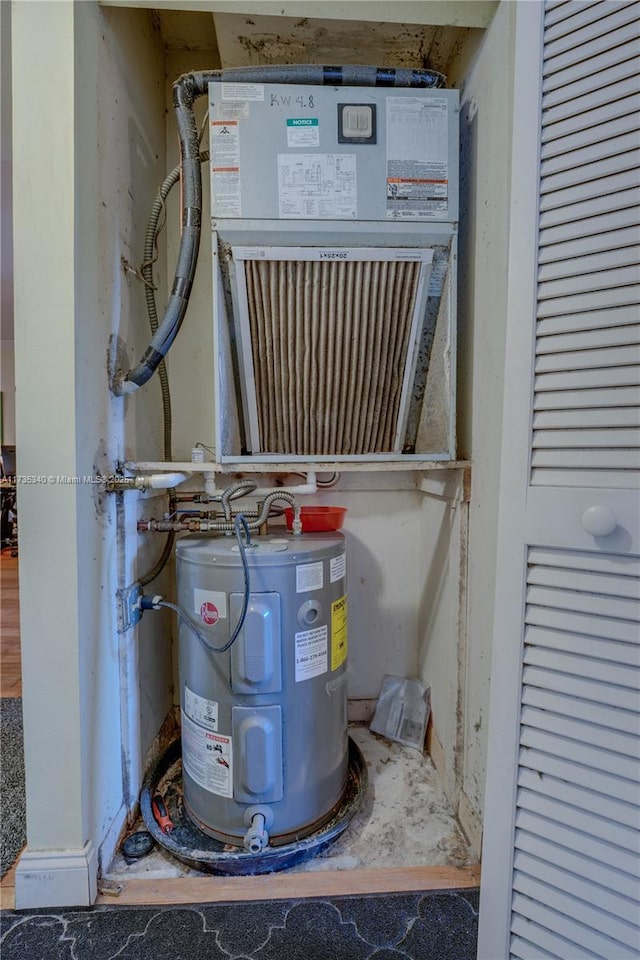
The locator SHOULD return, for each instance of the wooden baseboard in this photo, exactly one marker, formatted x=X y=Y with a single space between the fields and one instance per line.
x=330 y=883
x=8 y=889
x=282 y=886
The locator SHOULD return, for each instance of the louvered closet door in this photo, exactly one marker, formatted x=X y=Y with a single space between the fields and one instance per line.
x=562 y=843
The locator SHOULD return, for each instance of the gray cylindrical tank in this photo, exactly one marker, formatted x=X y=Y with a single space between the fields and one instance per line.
x=264 y=725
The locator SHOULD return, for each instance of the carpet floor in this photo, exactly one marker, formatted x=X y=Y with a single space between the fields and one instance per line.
x=12 y=797
x=419 y=926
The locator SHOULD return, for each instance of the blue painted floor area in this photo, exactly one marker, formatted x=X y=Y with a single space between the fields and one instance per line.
x=418 y=926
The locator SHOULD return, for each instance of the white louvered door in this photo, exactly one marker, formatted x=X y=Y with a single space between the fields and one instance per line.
x=561 y=858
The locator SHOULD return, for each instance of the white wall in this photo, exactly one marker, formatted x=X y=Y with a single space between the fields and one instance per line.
x=486 y=84
x=104 y=152
x=7 y=375
x=131 y=164
x=443 y=523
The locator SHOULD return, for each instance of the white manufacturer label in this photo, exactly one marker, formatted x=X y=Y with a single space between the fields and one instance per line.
x=225 y=168
x=201 y=710
x=209 y=606
x=231 y=111
x=309 y=577
x=225 y=145
x=311 y=653
x=227 y=194
x=207 y=758
x=317 y=186
x=417 y=158
x=337 y=567
x=243 y=91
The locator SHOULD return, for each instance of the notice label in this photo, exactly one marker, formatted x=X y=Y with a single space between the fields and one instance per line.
x=309 y=576
x=209 y=606
x=303 y=132
x=317 y=186
x=338 y=568
x=201 y=710
x=207 y=758
x=311 y=653
x=417 y=158
x=338 y=632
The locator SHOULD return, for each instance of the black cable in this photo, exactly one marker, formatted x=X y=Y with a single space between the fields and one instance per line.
x=153 y=603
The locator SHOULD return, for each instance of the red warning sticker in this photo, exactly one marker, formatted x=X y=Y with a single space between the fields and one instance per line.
x=209 y=613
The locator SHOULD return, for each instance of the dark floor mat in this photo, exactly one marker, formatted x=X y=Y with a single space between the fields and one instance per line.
x=418 y=926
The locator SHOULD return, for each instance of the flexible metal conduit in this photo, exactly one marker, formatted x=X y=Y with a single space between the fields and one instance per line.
x=186 y=90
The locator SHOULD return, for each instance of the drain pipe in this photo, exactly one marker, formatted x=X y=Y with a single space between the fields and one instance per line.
x=186 y=90
x=258 y=820
x=154 y=481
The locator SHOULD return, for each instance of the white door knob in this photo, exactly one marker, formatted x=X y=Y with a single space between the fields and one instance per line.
x=599 y=521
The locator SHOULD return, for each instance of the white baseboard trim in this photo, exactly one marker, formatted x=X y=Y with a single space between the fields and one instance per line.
x=57 y=878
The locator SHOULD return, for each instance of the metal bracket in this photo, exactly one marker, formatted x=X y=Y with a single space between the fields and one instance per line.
x=129 y=612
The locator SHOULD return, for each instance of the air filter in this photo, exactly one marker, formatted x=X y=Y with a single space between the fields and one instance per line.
x=328 y=342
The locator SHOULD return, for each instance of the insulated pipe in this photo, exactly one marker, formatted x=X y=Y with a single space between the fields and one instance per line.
x=163 y=481
x=186 y=90
x=155 y=481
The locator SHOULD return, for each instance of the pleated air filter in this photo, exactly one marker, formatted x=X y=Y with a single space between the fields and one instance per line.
x=328 y=342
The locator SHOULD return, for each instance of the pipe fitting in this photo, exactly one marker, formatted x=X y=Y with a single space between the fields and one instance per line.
x=256 y=839
x=154 y=481
x=259 y=820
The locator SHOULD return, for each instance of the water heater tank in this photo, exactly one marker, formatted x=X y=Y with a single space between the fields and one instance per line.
x=264 y=725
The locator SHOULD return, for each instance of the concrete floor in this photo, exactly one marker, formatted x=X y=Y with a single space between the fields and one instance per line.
x=406 y=821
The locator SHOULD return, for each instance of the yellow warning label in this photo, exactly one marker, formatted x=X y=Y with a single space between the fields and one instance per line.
x=338 y=632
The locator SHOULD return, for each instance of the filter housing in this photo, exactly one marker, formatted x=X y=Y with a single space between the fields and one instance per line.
x=264 y=725
x=334 y=218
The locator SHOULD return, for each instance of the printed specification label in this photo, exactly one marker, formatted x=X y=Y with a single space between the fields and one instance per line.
x=309 y=576
x=311 y=653
x=225 y=167
x=207 y=758
x=417 y=158
x=317 y=186
x=243 y=91
x=338 y=632
x=337 y=567
x=230 y=110
x=201 y=710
